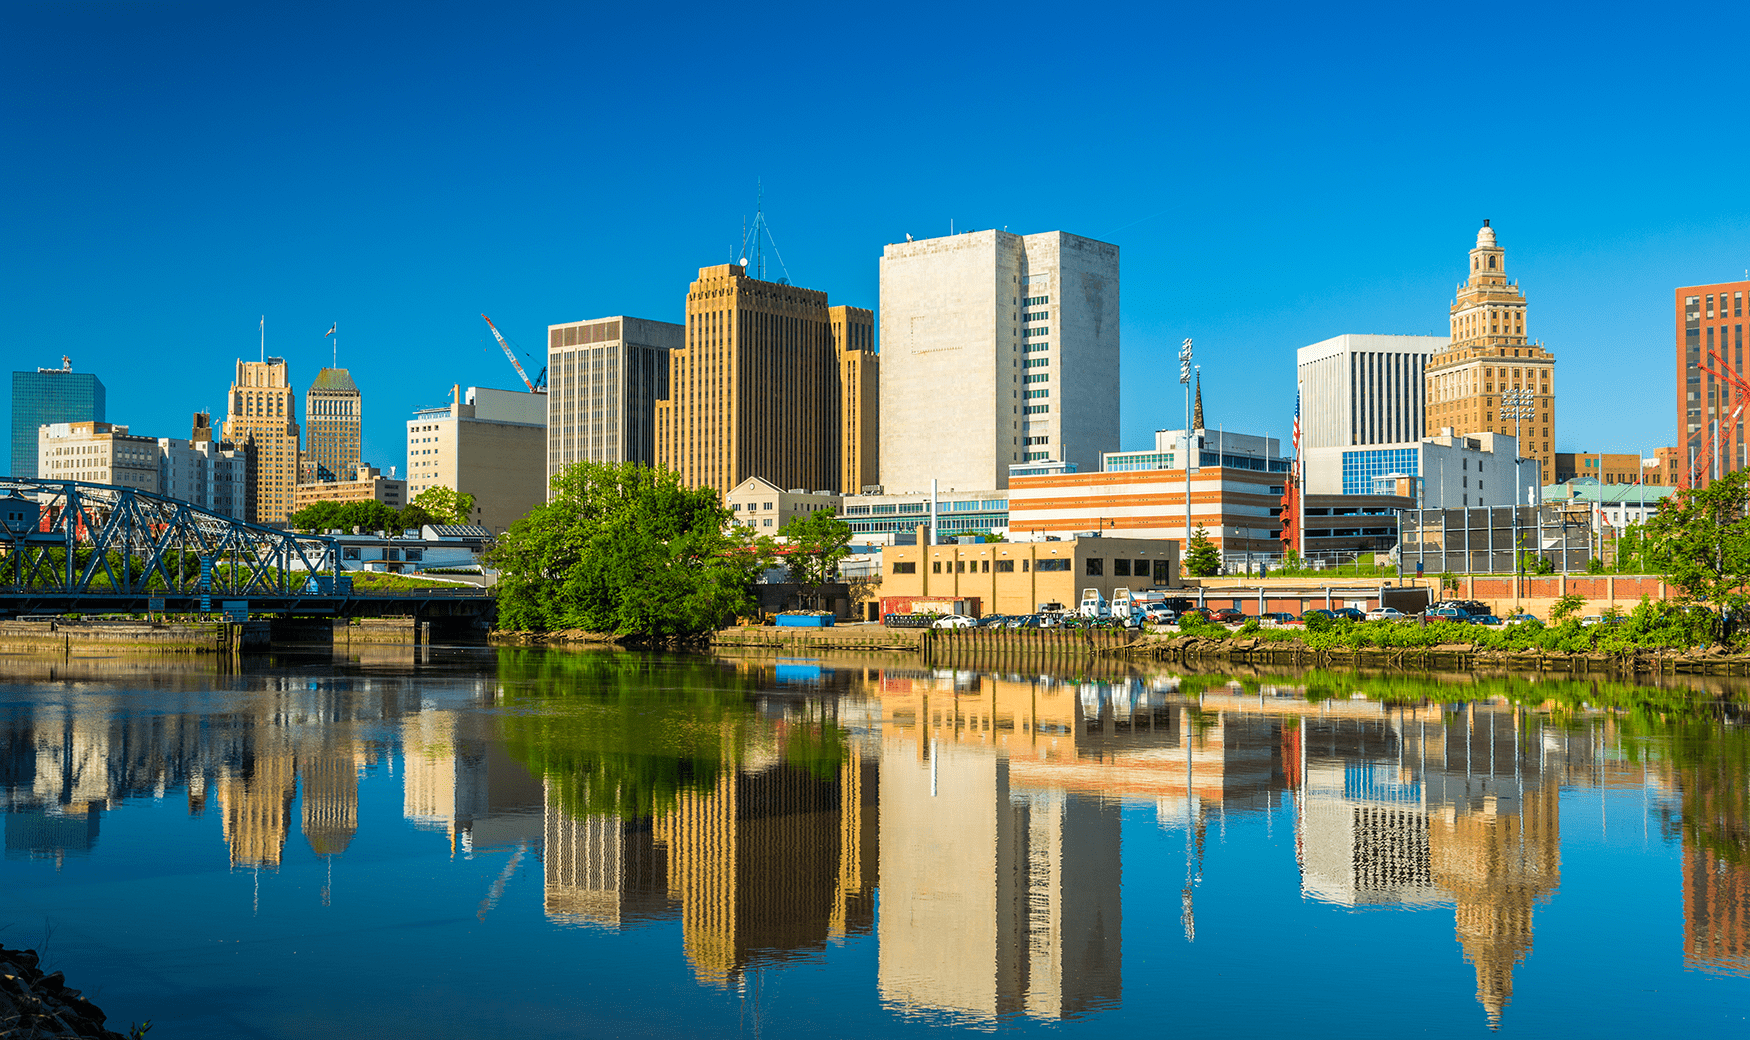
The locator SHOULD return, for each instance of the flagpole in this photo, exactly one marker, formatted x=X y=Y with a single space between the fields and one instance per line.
x=264 y=339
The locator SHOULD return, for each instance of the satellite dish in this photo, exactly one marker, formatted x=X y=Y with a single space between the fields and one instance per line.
x=744 y=261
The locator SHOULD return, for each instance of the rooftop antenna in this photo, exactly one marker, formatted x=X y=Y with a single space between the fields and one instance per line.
x=264 y=339
x=757 y=236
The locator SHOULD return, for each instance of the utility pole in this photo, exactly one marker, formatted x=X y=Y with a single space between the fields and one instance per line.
x=1185 y=380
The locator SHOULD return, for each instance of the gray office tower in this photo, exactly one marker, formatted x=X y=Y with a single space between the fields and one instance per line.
x=49 y=395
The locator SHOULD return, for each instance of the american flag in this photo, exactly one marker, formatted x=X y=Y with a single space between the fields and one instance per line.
x=1296 y=441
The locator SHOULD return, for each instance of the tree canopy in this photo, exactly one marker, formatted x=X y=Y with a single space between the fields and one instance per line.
x=1701 y=540
x=445 y=505
x=1204 y=558
x=622 y=548
x=366 y=516
x=816 y=544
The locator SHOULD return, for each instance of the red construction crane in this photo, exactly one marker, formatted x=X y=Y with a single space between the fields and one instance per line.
x=509 y=353
x=1726 y=377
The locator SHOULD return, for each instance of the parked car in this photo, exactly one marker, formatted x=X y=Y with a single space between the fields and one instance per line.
x=1316 y=613
x=1228 y=616
x=1521 y=616
x=993 y=621
x=1385 y=614
x=1159 y=615
x=1024 y=621
x=1446 y=612
x=1281 y=617
x=1484 y=619
x=1199 y=613
x=1347 y=612
x=1591 y=619
x=955 y=621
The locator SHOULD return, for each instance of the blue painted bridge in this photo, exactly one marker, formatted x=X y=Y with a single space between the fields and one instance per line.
x=75 y=547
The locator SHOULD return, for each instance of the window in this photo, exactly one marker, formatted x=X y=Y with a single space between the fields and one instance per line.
x=1120 y=568
x=1053 y=565
x=1030 y=347
x=1141 y=568
x=936 y=567
x=1005 y=566
x=905 y=568
x=1161 y=569
x=1037 y=393
x=1096 y=566
x=735 y=507
x=767 y=522
x=1036 y=362
x=1036 y=316
x=1024 y=566
x=985 y=567
x=1038 y=377
x=768 y=505
x=1035 y=301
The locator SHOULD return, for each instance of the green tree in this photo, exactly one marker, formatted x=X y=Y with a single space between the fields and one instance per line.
x=1204 y=558
x=622 y=548
x=1565 y=607
x=326 y=516
x=1701 y=540
x=815 y=545
x=445 y=505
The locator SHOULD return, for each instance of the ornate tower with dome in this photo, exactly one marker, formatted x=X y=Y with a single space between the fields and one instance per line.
x=1490 y=354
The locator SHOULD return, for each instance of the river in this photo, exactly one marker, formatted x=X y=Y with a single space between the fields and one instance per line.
x=451 y=842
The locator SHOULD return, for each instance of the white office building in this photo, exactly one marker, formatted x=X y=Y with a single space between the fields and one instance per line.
x=1446 y=471
x=1364 y=389
x=996 y=349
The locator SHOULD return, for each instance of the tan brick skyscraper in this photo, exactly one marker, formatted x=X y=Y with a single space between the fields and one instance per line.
x=853 y=337
x=1490 y=354
x=755 y=390
x=264 y=425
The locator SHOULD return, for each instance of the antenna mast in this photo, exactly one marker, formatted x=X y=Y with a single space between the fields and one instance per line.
x=757 y=236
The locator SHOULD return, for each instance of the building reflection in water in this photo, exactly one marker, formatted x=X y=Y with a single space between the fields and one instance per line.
x=985 y=806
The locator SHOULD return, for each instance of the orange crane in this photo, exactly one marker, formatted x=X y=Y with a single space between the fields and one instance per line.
x=509 y=353
x=1727 y=377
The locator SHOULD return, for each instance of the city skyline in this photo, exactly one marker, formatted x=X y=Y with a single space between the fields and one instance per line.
x=1324 y=216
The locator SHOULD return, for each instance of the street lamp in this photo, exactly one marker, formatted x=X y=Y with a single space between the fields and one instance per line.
x=1185 y=380
x=1521 y=405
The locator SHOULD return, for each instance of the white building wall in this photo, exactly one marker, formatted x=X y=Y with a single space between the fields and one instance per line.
x=1454 y=471
x=1364 y=389
x=953 y=328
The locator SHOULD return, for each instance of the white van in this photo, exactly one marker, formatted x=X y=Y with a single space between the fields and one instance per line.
x=1094 y=605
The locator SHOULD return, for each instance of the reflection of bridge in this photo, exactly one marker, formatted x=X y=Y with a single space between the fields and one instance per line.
x=68 y=546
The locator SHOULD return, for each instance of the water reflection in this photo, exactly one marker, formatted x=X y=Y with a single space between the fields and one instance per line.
x=762 y=808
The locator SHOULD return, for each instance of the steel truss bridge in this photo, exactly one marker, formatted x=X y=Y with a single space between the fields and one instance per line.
x=69 y=546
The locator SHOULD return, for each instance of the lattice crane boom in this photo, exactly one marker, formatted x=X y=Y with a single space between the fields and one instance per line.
x=509 y=353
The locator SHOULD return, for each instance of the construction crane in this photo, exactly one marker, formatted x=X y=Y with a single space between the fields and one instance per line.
x=1727 y=378
x=538 y=387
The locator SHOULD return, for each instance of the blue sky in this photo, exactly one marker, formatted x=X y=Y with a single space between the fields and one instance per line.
x=1274 y=175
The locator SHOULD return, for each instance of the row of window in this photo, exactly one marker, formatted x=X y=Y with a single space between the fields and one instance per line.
x=1036 y=301
x=1037 y=393
x=1035 y=315
x=1037 y=362
x=1031 y=347
x=1737 y=305
x=1095 y=567
x=1038 y=409
x=1038 y=377
x=1043 y=330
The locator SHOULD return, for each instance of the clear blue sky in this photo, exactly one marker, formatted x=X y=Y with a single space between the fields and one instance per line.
x=1274 y=175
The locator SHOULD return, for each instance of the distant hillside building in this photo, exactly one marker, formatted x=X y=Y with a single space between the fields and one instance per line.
x=45 y=397
x=97 y=453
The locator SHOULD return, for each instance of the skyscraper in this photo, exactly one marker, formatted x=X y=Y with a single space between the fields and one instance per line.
x=45 y=397
x=1710 y=333
x=754 y=390
x=604 y=377
x=264 y=425
x=334 y=417
x=1364 y=389
x=1489 y=355
x=853 y=337
x=951 y=345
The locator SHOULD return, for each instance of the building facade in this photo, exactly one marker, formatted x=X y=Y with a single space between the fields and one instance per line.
x=1239 y=509
x=951 y=347
x=764 y=505
x=754 y=390
x=46 y=397
x=263 y=424
x=1606 y=468
x=604 y=377
x=1440 y=472
x=97 y=453
x=1490 y=355
x=953 y=513
x=491 y=444
x=1710 y=335
x=333 y=422
x=1364 y=389
x=1666 y=468
x=1016 y=577
x=370 y=485
x=853 y=337
x=203 y=472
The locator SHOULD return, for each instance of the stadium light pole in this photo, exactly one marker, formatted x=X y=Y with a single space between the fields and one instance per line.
x=1185 y=380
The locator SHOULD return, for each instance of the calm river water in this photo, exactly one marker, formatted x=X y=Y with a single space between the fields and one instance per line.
x=478 y=843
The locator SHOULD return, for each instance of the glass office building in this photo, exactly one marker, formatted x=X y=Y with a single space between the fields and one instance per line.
x=49 y=395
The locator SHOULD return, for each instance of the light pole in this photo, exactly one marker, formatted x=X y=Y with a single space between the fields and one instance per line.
x=1519 y=404
x=1185 y=380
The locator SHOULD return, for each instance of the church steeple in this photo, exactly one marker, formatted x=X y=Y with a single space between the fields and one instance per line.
x=1197 y=412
